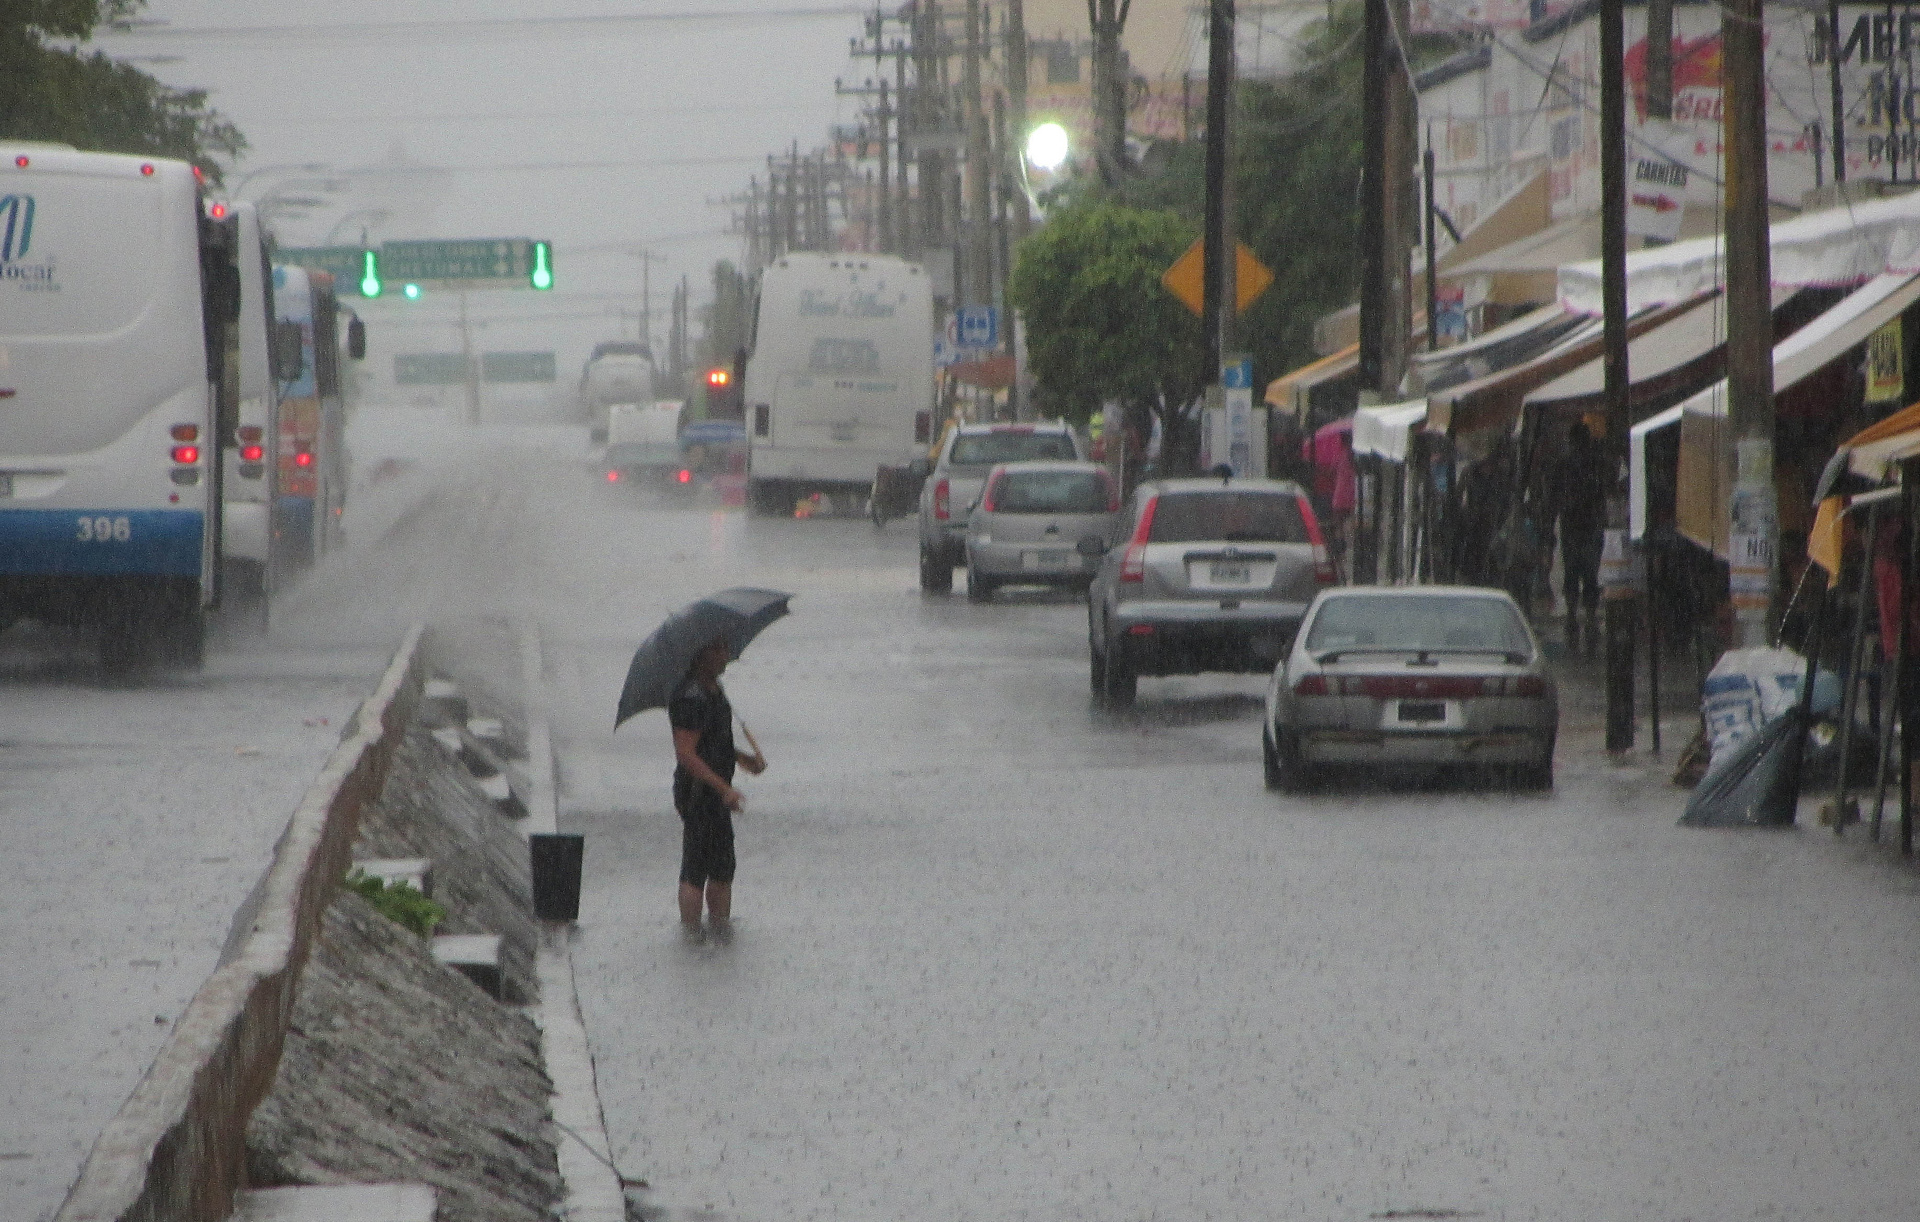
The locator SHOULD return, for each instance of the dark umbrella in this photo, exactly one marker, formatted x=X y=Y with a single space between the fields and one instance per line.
x=663 y=659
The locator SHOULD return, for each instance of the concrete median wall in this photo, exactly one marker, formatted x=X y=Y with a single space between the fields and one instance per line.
x=176 y=1151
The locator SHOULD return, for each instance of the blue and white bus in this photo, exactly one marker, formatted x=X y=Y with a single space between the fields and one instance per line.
x=249 y=474
x=118 y=295
x=312 y=490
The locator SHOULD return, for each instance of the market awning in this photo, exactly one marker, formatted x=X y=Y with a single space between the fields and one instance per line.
x=1832 y=247
x=1288 y=393
x=1495 y=401
x=1666 y=360
x=1875 y=451
x=1547 y=250
x=1505 y=345
x=1386 y=430
x=1706 y=439
x=1637 y=466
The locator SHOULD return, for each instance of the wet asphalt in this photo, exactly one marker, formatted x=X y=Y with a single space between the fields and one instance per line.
x=1001 y=952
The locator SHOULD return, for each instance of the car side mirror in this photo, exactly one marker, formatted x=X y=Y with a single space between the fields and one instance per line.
x=1092 y=547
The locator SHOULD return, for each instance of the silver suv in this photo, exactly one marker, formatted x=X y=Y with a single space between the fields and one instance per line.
x=1214 y=575
x=972 y=450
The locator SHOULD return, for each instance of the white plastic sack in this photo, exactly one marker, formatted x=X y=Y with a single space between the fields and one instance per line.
x=1746 y=689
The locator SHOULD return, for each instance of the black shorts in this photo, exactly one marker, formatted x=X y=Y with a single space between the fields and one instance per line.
x=706 y=845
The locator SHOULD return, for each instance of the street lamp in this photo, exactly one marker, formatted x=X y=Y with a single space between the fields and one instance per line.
x=374 y=216
x=1048 y=146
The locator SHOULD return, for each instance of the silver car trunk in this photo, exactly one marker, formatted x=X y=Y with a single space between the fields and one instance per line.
x=1211 y=562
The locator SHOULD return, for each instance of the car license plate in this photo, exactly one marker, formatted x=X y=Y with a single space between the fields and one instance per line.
x=1051 y=558
x=1230 y=572
x=6 y=483
x=1423 y=710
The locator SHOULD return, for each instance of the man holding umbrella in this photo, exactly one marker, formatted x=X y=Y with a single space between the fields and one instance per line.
x=703 y=792
x=678 y=668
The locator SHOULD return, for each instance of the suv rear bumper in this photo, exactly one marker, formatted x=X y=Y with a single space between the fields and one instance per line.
x=1187 y=638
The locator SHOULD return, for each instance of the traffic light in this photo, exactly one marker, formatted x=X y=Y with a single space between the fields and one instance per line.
x=370 y=285
x=411 y=292
x=540 y=276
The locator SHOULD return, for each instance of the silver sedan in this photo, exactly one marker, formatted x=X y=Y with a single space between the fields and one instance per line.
x=1027 y=526
x=1420 y=675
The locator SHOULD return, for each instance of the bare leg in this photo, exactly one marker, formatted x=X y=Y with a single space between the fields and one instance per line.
x=719 y=903
x=690 y=905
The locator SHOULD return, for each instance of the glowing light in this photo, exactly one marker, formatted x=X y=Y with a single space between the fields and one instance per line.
x=303 y=460
x=370 y=285
x=251 y=453
x=411 y=292
x=21 y=161
x=613 y=477
x=541 y=277
x=718 y=377
x=146 y=168
x=1048 y=146
x=218 y=212
x=685 y=476
x=186 y=455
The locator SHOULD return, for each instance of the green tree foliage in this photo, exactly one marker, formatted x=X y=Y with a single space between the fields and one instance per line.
x=1099 y=324
x=93 y=102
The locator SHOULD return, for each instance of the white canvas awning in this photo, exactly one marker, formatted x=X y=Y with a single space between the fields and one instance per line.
x=1637 y=466
x=1706 y=440
x=1665 y=350
x=1834 y=246
x=1386 y=430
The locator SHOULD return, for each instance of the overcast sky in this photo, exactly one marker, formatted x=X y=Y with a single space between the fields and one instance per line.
x=602 y=135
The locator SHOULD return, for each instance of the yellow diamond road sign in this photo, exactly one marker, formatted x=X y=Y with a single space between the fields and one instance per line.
x=1186 y=279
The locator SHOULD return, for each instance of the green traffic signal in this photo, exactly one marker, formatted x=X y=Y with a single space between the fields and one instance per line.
x=541 y=275
x=412 y=292
x=370 y=273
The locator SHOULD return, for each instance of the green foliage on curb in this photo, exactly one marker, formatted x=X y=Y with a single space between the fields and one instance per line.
x=401 y=903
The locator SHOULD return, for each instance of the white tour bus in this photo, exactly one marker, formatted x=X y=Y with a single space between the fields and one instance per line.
x=840 y=377
x=118 y=296
x=248 y=472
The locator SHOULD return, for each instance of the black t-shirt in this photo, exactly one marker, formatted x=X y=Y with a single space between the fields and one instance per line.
x=710 y=715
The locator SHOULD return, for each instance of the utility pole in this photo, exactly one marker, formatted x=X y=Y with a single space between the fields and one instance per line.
x=1217 y=238
x=979 y=228
x=1387 y=162
x=1015 y=148
x=1753 y=519
x=1109 y=20
x=1618 y=599
x=1660 y=59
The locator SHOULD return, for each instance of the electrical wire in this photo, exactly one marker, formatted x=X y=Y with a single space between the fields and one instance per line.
x=354 y=31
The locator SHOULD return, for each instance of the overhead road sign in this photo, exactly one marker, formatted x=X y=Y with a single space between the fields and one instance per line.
x=344 y=263
x=1186 y=279
x=429 y=369
x=518 y=367
x=468 y=263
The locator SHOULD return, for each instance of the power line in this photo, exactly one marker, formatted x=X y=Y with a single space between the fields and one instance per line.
x=289 y=119
x=352 y=31
x=373 y=171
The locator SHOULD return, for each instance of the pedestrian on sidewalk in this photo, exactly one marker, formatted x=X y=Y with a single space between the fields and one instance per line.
x=1581 y=487
x=703 y=792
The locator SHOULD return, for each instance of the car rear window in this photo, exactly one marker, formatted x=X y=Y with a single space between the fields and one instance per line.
x=1228 y=517
x=1050 y=492
x=1430 y=621
x=986 y=449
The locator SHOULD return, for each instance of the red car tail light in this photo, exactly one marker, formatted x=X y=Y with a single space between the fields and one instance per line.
x=613 y=477
x=1133 y=563
x=1312 y=685
x=684 y=476
x=941 y=492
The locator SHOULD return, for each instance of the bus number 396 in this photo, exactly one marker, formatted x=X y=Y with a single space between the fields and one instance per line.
x=104 y=530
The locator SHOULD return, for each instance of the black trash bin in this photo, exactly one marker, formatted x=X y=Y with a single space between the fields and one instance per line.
x=556 y=875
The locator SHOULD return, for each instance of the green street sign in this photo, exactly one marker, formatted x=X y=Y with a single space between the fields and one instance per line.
x=429 y=369
x=343 y=262
x=460 y=263
x=518 y=367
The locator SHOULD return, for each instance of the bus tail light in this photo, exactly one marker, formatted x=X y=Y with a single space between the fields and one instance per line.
x=184 y=432
x=683 y=475
x=250 y=432
x=613 y=477
x=303 y=459
x=252 y=453
x=186 y=456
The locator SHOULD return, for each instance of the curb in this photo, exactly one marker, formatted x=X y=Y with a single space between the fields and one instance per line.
x=593 y=1189
x=176 y=1150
